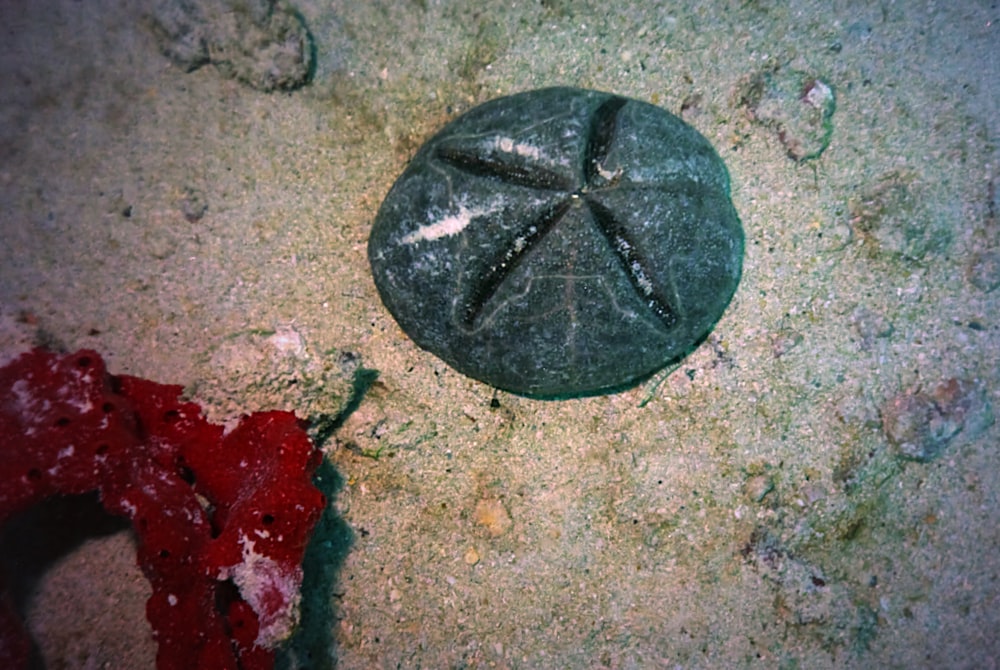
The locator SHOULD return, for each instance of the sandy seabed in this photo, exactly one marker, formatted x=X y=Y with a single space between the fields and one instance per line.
x=817 y=486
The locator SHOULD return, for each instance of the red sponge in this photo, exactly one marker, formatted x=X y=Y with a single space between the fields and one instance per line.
x=222 y=518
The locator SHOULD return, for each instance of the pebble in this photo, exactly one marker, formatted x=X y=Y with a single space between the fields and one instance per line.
x=471 y=556
x=983 y=270
x=920 y=425
x=890 y=216
x=798 y=106
x=871 y=325
x=757 y=487
x=262 y=43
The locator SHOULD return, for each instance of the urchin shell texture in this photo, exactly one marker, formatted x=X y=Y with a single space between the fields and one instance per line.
x=559 y=242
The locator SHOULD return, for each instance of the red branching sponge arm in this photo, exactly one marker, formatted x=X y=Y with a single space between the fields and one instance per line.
x=208 y=507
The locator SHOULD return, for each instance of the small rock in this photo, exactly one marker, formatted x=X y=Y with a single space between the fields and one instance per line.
x=757 y=487
x=870 y=326
x=471 y=556
x=277 y=369
x=691 y=104
x=492 y=515
x=193 y=204
x=263 y=43
x=784 y=341
x=796 y=105
x=967 y=403
x=915 y=425
x=920 y=425
x=983 y=270
x=891 y=217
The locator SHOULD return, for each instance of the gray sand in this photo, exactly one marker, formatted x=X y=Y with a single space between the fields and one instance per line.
x=807 y=490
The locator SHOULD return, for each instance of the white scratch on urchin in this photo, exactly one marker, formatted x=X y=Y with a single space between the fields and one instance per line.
x=449 y=225
x=508 y=145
